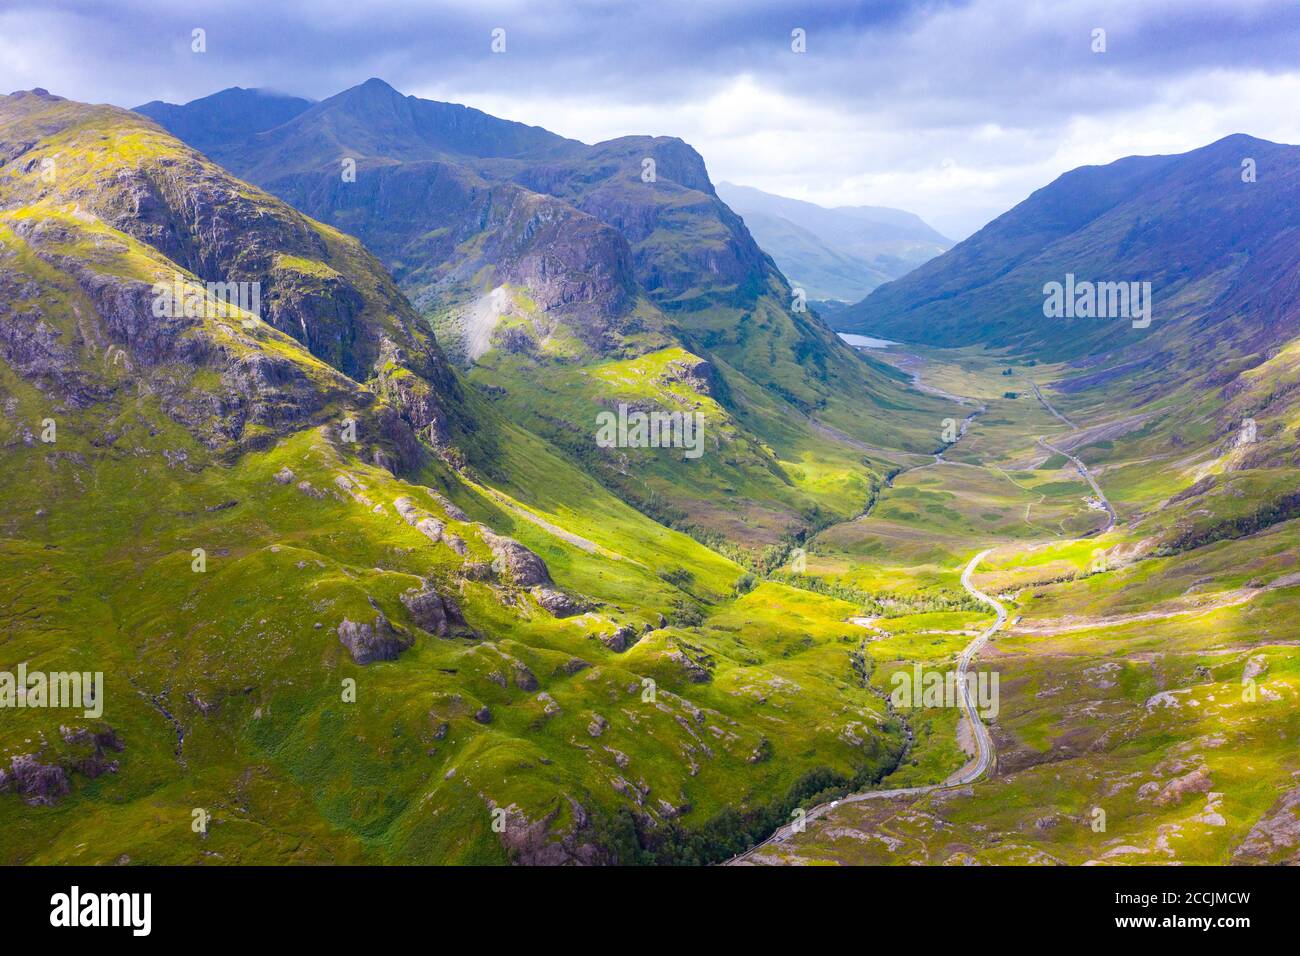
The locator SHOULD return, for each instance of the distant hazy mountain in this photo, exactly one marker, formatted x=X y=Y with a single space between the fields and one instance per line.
x=222 y=117
x=841 y=253
x=1215 y=243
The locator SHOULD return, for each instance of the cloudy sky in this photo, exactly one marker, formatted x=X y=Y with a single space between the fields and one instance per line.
x=954 y=110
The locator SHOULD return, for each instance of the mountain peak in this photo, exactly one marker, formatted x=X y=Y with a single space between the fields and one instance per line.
x=37 y=92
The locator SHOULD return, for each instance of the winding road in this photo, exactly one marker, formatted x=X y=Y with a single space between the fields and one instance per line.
x=1112 y=517
x=984 y=753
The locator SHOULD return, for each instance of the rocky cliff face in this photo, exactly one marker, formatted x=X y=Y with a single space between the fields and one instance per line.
x=105 y=210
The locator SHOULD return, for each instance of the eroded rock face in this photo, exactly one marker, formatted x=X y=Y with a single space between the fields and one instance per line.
x=698 y=375
x=524 y=678
x=378 y=641
x=515 y=563
x=432 y=611
x=694 y=671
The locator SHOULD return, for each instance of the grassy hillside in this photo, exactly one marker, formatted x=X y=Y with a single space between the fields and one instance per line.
x=346 y=650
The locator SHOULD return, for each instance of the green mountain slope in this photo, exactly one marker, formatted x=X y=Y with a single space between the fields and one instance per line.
x=1215 y=248
x=546 y=266
x=345 y=609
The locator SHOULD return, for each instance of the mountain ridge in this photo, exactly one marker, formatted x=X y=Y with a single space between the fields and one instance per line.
x=839 y=253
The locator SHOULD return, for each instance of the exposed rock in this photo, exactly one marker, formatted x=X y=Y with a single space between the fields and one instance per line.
x=1256 y=667
x=432 y=611
x=476 y=571
x=597 y=725
x=514 y=562
x=557 y=602
x=37 y=783
x=307 y=488
x=697 y=375
x=452 y=512
x=431 y=528
x=525 y=679
x=1195 y=781
x=483 y=715
x=573 y=665
x=694 y=672
x=283 y=476
x=549 y=706
x=379 y=641
x=531 y=843
x=619 y=641
x=1275 y=838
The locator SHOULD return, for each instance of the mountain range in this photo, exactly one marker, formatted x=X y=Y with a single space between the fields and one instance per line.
x=548 y=267
x=1210 y=230
x=363 y=596
x=839 y=254
x=364 y=585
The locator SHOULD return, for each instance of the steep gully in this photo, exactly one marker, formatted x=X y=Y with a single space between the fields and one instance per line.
x=985 y=755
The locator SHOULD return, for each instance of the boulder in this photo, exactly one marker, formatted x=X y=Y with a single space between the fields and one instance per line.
x=557 y=602
x=622 y=638
x=37 y=783
x=515 y=563
x=431 y=611
x=378 y=641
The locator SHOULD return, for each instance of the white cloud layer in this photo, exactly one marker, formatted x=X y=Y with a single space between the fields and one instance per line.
x=953 y=110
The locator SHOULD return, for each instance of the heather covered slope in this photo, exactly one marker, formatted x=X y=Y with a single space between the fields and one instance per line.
x=520 y=639
x=1218 y=251
x=568 y=278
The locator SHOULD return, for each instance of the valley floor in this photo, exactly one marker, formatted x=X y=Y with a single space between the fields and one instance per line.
x=1147 y=710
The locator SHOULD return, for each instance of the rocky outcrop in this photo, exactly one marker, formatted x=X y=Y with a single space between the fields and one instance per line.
x=1275 y=838
x=432 y=611
x=557 y=602
x=534 y=842
x=513 y=562
x=697 y=375
x=695 y=672
x=1172 y=793
x=620 y=640
x=524 y=678
x=377 y=641
x=37 y=783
